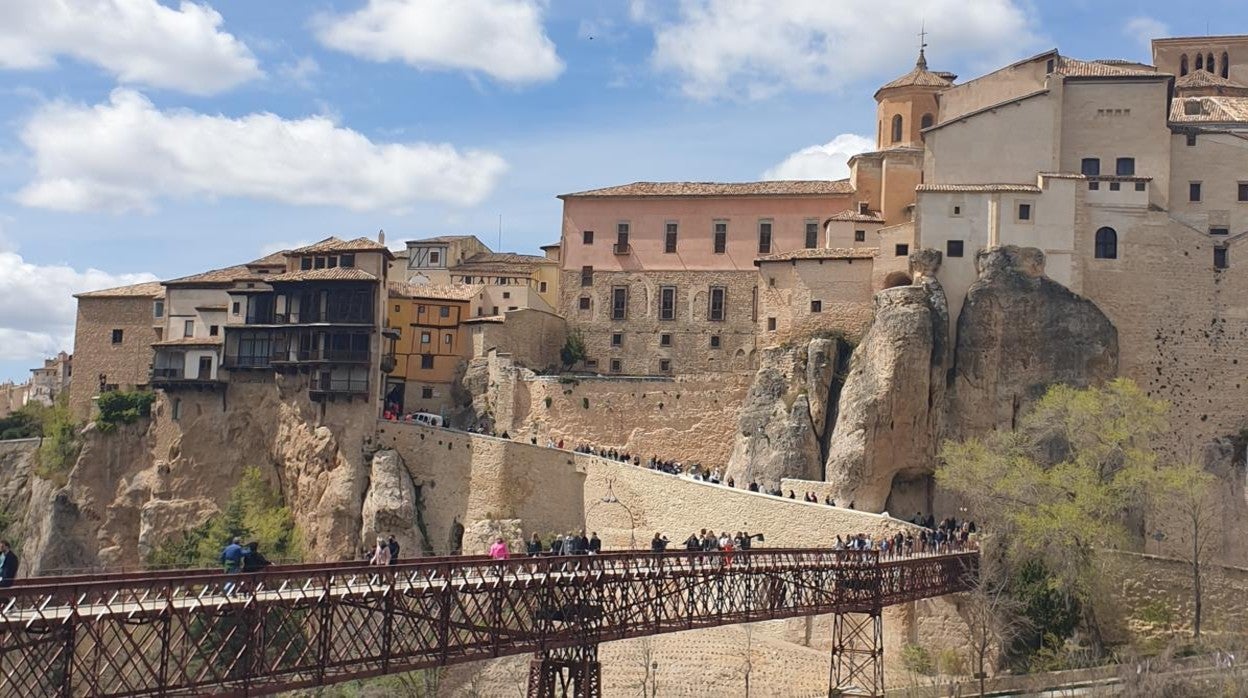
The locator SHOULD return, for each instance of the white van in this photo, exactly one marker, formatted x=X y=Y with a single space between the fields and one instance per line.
x=429 y=419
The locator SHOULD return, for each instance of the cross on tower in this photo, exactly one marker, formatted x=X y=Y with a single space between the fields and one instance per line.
x=922 y=37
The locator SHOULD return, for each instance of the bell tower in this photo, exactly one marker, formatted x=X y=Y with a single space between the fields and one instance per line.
x=907 y=105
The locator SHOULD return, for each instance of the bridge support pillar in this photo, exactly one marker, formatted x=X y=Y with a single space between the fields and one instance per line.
x=857 y=655
x=566 y=672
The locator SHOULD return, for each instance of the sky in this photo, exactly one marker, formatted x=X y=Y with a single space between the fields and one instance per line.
x=145 y=139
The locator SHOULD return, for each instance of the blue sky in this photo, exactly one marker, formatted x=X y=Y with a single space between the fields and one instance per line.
x=140 y=137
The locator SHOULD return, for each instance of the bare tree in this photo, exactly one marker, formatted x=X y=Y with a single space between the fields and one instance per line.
x=994 y=618
x=1187 y=497
x=747 y=666
x=649 y=667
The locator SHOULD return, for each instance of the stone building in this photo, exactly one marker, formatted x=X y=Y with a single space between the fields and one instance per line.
x=429 y=342
x=113 y=337
x=429 y=259
x=48 y=382
x=510 y=281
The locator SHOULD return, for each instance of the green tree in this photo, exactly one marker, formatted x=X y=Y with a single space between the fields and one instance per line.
x=1185 y=496
x=1056 y=489
x=573 y=350
x=60 y=446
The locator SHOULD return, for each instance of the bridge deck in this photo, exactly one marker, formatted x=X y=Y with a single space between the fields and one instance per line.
x=289 y=627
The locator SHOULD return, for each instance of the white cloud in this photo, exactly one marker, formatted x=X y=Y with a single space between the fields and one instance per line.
x=756 y=48
x=125 y=154
x=1145 y=29
x=827 y=161
x=300 y=72
x=37 y=307
x=501 y=38
x=139 y=41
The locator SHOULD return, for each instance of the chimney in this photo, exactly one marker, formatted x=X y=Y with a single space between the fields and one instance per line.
x=381 y=237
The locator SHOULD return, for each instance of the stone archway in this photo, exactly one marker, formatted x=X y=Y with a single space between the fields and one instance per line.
x=897 y=278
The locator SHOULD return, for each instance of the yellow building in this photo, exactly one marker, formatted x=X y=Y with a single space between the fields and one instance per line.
x=511 y=281
x=431 y=344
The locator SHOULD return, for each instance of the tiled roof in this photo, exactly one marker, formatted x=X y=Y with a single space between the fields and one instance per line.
x=850 y=214
x=500 y=261
x=333 y=244
x=277 y=259
x=919 y=77
x=812 y=187
x=227 y=275
x=449 y=292
x=1220 y=109
x=189 y=342
x=149 y=289
x=440 y=240
x=821 y=253
x=1075 y=68
x=1022 y=188
x=335 y=274
x=1203 y=78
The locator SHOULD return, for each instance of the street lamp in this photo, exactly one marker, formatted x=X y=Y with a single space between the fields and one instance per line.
x=610 y=498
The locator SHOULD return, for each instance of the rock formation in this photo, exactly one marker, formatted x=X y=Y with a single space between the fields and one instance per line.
x=390 y=504
x=1019 y=333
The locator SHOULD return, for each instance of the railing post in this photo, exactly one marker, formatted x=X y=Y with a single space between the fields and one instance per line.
x=67 y=651
x=387 y=627
x=324 y=636
x=444 y=614
x=162 y=679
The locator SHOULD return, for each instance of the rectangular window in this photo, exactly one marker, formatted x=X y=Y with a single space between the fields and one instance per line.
x=1024 y=212
x=234 y=308
x=506 y=294
x=764 y=237
x=424 y=337
x=617 y=339
x=117 y=336
x=1219 y=258
x=541 y=287
x=213 y=330
x=1115 y=186
x=435 y=256
x=669 y=239
x=771 y=324
x=665 y=340
x=420 y=310
x=860 y=236
x=619 y=302
x=426 y=360
x=444 y=311
x=1220 y=231
x=448 y=338
x=587 y=276
x=188 y=328
x=426 y=393
x=816 y=306
x=1243 y=191
x=621 y=234
x=953 y=248
x=158 y=309
x=1139 y=186
x=1193 y=191
x=667 y=303
x=812 y=234
x=1125 y=167
x=1090 y=167
x=318 y=262
x=615 y=365
x=177 y=409
x=901 y=250
x=721 y=237
x=333 y=262
x=955 y=211
x=1191 y=139
x=305 y=263
x=1094 y=186
x=587 y=237
x=494 y=310
x=347 y=260
x=665 y=365
x=584 y=303
x=714 y=341
x=715 y=311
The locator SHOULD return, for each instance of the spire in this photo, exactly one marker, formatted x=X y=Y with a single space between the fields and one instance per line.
x=921 y=63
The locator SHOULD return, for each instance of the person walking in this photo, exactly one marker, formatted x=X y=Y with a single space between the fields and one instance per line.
x=8 y=564
x=658 y=544
x=595 y=544
x=381 y=554
x=232 y=561
x=254 y=560
x=394 y=550
x=499 y=550
x=534 y=547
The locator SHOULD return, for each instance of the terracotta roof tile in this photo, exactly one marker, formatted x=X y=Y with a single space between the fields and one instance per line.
x=1021 y=188
x=149 y=289
x=1203 y=78
x=277 y=259
x=818 y=187
x=500 y=261
x=335 y=274
x=441 y=239
x=333 y=244
x=850 y=214
x=919 y=77
x=227 y=275
x=1219 y=109
x=450 y=292
x=821 y=253
x=1075 y=68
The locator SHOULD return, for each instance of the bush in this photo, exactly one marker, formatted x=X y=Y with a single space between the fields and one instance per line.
x=573 y=351
x=60 y=444
x=119 y=407
x=253 y=512
x=918 y=660
x=24 y=423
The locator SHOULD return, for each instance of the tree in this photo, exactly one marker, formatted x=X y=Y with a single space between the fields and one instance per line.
x=1057 y=487
x=994 y=618
x=1186 y=493
x=573 y=351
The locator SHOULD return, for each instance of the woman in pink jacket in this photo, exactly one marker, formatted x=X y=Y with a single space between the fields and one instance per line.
x=499 y=550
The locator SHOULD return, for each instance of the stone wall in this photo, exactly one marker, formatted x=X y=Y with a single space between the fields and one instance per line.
x=97 y=359
x=842 y=286
x=641 y=348
x=533 y=338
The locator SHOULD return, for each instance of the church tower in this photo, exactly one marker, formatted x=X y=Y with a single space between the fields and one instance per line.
x=907 y=105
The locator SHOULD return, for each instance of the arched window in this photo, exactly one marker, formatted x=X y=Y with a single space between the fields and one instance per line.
x=1107 y=243
x=897 y=128
x=1200 y=62
x=1226 y=65
x=1209 y=66
x=1183 y=65
x=926 y=121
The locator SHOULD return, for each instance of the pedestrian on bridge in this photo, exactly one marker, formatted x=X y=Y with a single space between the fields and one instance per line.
x=499 y=550
x=254 y=560
x=394 y=550
x=8 y=564
x=381 y=554
x=232 y=555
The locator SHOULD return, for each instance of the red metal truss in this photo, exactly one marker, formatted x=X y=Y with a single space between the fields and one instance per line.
x=197 y=633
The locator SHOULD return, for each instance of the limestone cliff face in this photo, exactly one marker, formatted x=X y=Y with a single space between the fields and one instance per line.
x=783 y=419
x=1020 y=332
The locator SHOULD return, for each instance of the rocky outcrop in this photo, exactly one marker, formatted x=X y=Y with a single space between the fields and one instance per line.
x=390 y=504
x=479 y=535
x=886 y=415
x=1019 y=333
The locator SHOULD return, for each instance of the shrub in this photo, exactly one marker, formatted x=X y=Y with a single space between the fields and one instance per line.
x=573 y=351
x=120 y=407
x=60 y=445
x=918 y=660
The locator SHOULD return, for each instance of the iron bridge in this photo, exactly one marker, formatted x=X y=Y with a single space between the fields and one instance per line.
x=186 y=632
